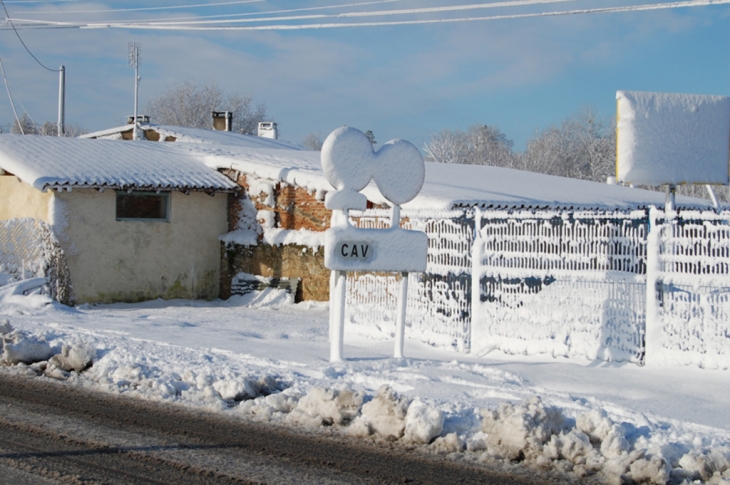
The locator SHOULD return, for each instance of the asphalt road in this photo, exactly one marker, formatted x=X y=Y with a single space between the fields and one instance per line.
x=52 y=433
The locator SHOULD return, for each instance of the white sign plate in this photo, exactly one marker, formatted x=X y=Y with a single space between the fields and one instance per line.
x=395 y=249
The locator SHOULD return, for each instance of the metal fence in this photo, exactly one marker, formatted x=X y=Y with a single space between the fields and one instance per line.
x=29 y=249
x=566 y=283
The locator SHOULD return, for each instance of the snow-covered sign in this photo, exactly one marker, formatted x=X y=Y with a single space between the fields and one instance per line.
x=666 y=138
x=350 y=164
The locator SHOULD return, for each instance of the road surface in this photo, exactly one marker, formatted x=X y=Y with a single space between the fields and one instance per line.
x=52 y=433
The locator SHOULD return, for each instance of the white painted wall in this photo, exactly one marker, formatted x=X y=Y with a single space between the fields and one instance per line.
x=18 y=199
x=112 y=260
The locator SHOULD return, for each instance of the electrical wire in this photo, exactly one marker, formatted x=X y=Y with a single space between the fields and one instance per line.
x=7 y=17
x=243 y=14
x=378 y=13
x=636 y=8
x=195 y=26
x=12 y=104
x=143 y=9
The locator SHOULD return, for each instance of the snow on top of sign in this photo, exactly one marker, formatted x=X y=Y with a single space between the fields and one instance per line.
x=666 y=138
x=350 y=163
x=44 y=161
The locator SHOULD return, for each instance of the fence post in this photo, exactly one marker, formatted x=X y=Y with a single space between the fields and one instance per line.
x=477 y=338
x=653 y=333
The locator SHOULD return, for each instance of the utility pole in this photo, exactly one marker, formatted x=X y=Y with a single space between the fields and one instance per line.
x=61 y=100
x=134 y=51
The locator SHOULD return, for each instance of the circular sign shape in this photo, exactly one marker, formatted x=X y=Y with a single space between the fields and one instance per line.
x=349 y=163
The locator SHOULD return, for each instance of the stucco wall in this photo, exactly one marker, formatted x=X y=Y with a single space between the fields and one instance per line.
x=112 y=260
x=18 y=199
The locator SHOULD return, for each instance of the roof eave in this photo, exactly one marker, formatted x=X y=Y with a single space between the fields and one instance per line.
x=60 y=187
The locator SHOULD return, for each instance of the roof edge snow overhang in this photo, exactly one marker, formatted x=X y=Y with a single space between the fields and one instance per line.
x=571 y=207
x=60 y=187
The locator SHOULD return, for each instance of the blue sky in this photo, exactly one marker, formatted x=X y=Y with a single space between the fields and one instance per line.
x=401 y=81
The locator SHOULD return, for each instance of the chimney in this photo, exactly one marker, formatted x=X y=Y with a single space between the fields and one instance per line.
x=222 y=120
x=268 y=129
x=140 y=119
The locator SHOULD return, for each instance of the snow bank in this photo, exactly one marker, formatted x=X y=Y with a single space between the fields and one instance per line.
x=369 y=398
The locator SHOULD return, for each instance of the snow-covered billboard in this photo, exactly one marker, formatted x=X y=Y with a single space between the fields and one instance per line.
x=667 y=138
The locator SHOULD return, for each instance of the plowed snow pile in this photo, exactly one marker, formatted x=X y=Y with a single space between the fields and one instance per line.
x=266 y=359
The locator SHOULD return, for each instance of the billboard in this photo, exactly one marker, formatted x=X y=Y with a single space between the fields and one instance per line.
x=668 y=138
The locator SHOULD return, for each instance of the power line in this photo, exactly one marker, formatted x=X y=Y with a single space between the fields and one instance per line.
x=7 y=17
x=378 y=13
x=142 y=9
x=10 y=97
x=635 y=8
x=231 y=15
x=193 y=26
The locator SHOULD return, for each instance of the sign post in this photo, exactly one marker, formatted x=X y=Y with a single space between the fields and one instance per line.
x=350 y=164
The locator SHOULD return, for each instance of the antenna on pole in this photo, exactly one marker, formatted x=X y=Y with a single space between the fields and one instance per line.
x=134 y=51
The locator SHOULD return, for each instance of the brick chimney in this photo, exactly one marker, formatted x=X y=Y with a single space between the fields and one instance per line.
x=140 y=119
x=222 y=120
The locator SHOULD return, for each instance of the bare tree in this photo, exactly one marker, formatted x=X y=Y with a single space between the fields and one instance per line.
x=479 y=145
x=583 y=146
x=446 y=146
x=313 y=141
x=188 y=104
x=24 y=125
x=46 y=129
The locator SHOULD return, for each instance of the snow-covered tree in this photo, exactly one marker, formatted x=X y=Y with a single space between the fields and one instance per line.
x=46 y=129
x=479 y=145
x=313 y=141
x=189 y=104
x=24 y=125
x=583 y=146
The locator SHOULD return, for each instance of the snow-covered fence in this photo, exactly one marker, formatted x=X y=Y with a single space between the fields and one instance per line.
x=565 y=283
x=29 y=249
x=562 y=283
x=690 y=321
x=438 y=300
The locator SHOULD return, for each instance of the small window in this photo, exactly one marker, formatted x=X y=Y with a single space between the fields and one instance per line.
x=143 y=206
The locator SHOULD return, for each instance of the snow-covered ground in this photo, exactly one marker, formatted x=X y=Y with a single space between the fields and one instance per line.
x=263 y=357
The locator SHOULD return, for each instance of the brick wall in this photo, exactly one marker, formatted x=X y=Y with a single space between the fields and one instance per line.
x=294 y=208
x=291 y=261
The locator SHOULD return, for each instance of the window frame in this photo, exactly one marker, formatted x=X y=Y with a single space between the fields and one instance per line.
x=166 y=195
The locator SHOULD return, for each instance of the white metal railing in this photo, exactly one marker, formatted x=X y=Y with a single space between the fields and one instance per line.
x=566 y=283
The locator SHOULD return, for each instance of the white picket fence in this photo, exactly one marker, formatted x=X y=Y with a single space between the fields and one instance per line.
x=564 y=283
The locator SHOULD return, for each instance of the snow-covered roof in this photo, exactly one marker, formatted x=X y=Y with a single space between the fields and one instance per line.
x=196 y=135
x=183 y=165
x=453 y=185
x=448 y=185
x=50 y=162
